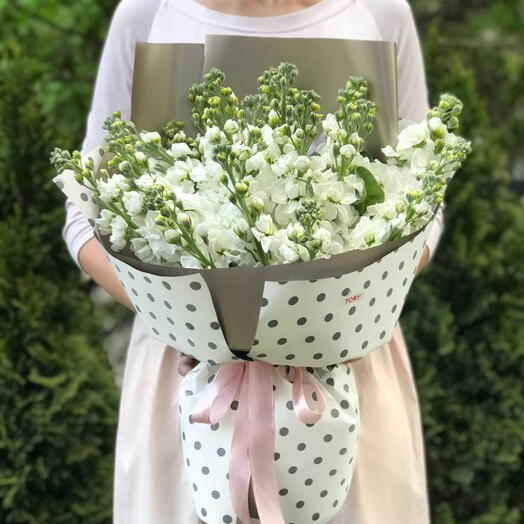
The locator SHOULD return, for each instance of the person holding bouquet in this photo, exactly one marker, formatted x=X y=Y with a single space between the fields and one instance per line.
x=389 y=484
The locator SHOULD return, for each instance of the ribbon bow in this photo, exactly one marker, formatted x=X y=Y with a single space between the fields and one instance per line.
x=253 y=442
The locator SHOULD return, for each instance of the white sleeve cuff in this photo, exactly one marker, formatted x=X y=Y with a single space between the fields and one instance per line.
x=76 y=231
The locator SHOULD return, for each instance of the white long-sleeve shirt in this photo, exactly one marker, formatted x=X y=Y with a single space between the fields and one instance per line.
x=189 y=21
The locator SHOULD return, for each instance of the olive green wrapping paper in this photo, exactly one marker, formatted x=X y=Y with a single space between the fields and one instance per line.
x=163 y=74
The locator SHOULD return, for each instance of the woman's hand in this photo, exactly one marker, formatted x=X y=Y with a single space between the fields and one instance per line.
x=94 y=262
x=424 y=259
x=186 y=364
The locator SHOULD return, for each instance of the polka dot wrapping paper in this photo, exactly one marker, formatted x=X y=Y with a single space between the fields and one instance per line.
x=314 y=463
x=302 y=323
x=332 y=316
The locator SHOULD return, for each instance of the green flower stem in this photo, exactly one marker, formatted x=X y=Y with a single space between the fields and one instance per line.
x=188 y=237
x=121 y=212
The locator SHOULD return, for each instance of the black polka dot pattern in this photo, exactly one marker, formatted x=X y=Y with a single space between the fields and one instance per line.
x=178 y=311
x=314 y=463
x=324 y=320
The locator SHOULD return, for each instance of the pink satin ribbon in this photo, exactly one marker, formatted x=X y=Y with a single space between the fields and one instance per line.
x=253 y=443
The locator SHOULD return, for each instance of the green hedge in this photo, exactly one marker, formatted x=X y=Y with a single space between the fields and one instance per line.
x=58 y=398
x=464 y=324
x=464 y=320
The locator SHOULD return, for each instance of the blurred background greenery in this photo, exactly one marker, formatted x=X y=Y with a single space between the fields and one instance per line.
x=464 y=320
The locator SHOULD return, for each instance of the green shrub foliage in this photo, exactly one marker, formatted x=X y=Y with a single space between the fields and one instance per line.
x=58 y=398
x=464 y=324
x=464 y=321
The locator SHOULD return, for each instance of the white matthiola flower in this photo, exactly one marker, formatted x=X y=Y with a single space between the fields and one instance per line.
x=118 y=236
x=284 y=190
x=437 y=127
x=369 y=232
x=140 y=157
x=161 y=249
x=389 y=152
x=241 y=151
x=255 y=162
x=412 y=136
x=265 y=224
x=145 y=182
x=178 y=172
x=348 y=216
x=318 y=164
x=395 y=180
x=148 y=137
x=328 y=245
x=283 y=250
x=198 y=173
x=104 y=221
x=288 y=147
x=285 y=164
x=290 y=252
x=285 y=213
x=419 y=158
x=142 y=250
x=152 y=164
x=255 y=202
x=180 y=149
x=111 y=189
x=330 y=125
x=190 y=262
x=386 y=210
x=260 y=184
x=355 y=184
x=303 y=163
x=295 y=232
x=231 y=126
x=214 y=135
x=133 y=202
x=263 y=231
x=423 y=208
x=348 y=151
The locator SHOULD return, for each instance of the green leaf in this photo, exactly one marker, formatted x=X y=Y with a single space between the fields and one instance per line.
x=374 y=194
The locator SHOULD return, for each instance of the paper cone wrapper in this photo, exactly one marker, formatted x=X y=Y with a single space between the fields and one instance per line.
x=314 y=463
x=309 y=314
x=316 y=313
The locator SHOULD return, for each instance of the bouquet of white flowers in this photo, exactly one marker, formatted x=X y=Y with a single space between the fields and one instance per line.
x=256 y=186
x=268 y=242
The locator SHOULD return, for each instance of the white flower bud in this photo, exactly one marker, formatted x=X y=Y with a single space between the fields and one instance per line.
x=273 y=118
x=172 y=236
x=140 y=157
x=348 y=151
x=303 y=163
x=437 y=127
x=341 y=135
x=265 y=224
x=184 y=219
x=180 y=149
x=152 y=137
x=256 y=203
x=231 y=126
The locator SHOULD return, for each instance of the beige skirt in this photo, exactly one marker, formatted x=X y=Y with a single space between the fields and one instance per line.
x=389 y=483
